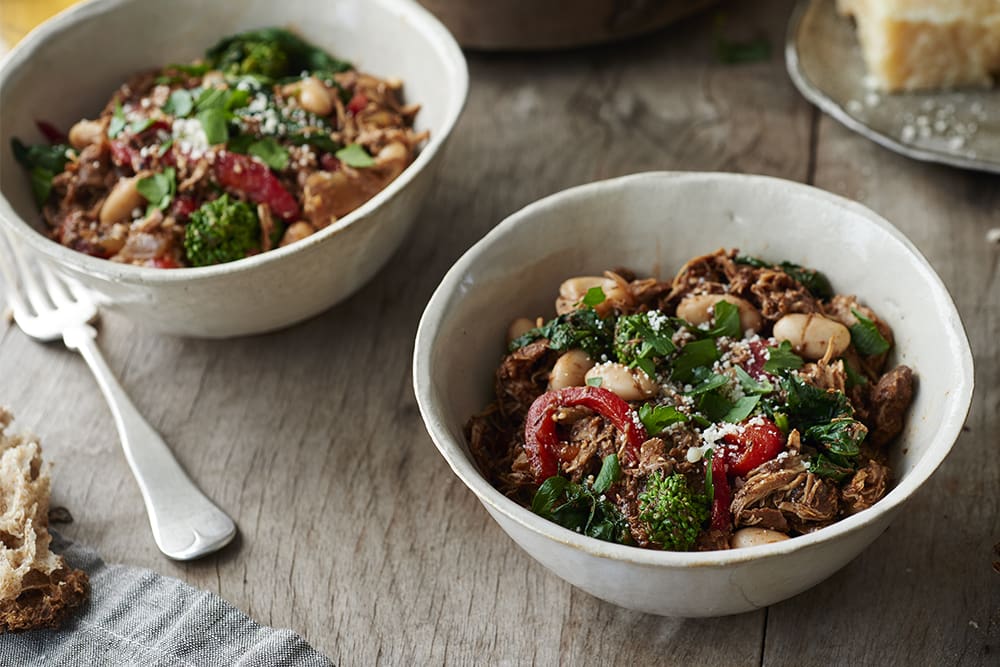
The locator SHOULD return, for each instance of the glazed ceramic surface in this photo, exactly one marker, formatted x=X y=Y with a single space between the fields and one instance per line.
x=69 y=67
x=960 y=128
x=652 y=223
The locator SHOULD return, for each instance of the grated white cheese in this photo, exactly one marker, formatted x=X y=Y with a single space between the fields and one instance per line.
x=190 y=137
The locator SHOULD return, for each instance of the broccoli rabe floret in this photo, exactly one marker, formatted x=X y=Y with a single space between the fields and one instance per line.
x=221 y=231
x=672 y=512
x=271 y=53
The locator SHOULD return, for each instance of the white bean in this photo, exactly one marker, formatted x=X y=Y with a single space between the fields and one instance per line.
x=572 y=291
x=698 y=309
x=570 y=370
x=630 y=384
x=121 y=200
x=213 y=79
x=296 y=232
x=85 y=133
x=518 y=328
x=752 y=537
x=810 y=334
x=314 y=98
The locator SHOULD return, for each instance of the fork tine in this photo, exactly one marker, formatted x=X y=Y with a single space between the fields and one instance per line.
x=78 y=291
x=54 y=286
x=36 y=297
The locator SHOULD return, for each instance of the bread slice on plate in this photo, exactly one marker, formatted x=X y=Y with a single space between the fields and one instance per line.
x=37 y=588
x=927 y=44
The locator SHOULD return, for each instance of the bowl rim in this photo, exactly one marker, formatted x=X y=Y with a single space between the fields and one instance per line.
x=422 y=22
x=463 y=466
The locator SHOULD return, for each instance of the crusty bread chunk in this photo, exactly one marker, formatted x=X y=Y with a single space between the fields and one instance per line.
x=37 y=589
x=926 y=44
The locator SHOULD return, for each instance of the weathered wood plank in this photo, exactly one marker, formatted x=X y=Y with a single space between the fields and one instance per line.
x=925 y=592
x=353 y=530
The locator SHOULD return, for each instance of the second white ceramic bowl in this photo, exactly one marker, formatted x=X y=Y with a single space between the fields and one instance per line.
x=68 y=68
x=652 y=223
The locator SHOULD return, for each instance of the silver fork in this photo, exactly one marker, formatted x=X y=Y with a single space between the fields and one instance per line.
x=185 y=523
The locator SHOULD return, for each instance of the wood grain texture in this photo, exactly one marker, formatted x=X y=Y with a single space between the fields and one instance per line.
x=354 y=532
x=926 y=592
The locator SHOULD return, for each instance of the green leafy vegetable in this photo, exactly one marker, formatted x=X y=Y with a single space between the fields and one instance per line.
x=741 y=409
x=808 y=405
x=170 y=73
x=270 y=152
x=866 y=337
x=694 y=355
x=714 y=406
x=854 y=378
x=43 y=162
x=164 y=147
x=355 y=155
x=657 y=419
x=221 y=231
x=814 y=281
x=211 y=98
x=781 y=421
x=118 y=122
x=595 y=381
x=638 y=343
x=718 y=408
x=781 y=357
x=271 y=53
x=611 y=472
x=727 y=320
x=672 y=512
x=318 y=140
x=179 y=104
x=753 y=261
x=594 y=296
x=581 y=329
x=158 y=189
x=710 y=383
x=751 y=386
x=841 y=436
x=831 y=466
x=580 y=509
x=213 y=122
x=140 y=125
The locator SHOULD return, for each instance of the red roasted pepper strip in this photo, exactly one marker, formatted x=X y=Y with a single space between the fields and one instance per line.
x=357 y=103
x=53 y=134
x=541 y=440
x=243 y=174
x=758 y=442
x=721 y=516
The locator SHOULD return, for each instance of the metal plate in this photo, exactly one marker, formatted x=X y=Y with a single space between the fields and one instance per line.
x=960 y=128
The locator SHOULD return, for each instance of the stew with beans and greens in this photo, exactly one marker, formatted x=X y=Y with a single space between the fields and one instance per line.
x=741 y=403
x=261 y=143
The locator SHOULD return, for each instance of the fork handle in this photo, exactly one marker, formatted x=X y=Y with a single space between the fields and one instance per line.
x=185 y=523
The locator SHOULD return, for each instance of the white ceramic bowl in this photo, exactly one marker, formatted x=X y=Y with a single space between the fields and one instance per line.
x=68 y=68
x=652 y=223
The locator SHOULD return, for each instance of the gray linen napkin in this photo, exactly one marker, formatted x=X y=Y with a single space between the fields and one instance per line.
x=138 y=617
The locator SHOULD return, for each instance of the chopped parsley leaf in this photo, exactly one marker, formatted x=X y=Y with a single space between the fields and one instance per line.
x=658 y=418
x=355 y=155
x=594 y=297
x=867 y=339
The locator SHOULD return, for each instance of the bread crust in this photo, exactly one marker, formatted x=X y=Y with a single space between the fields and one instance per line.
x=37 y=588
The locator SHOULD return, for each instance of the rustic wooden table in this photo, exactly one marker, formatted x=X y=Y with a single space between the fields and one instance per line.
x=354 y=532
